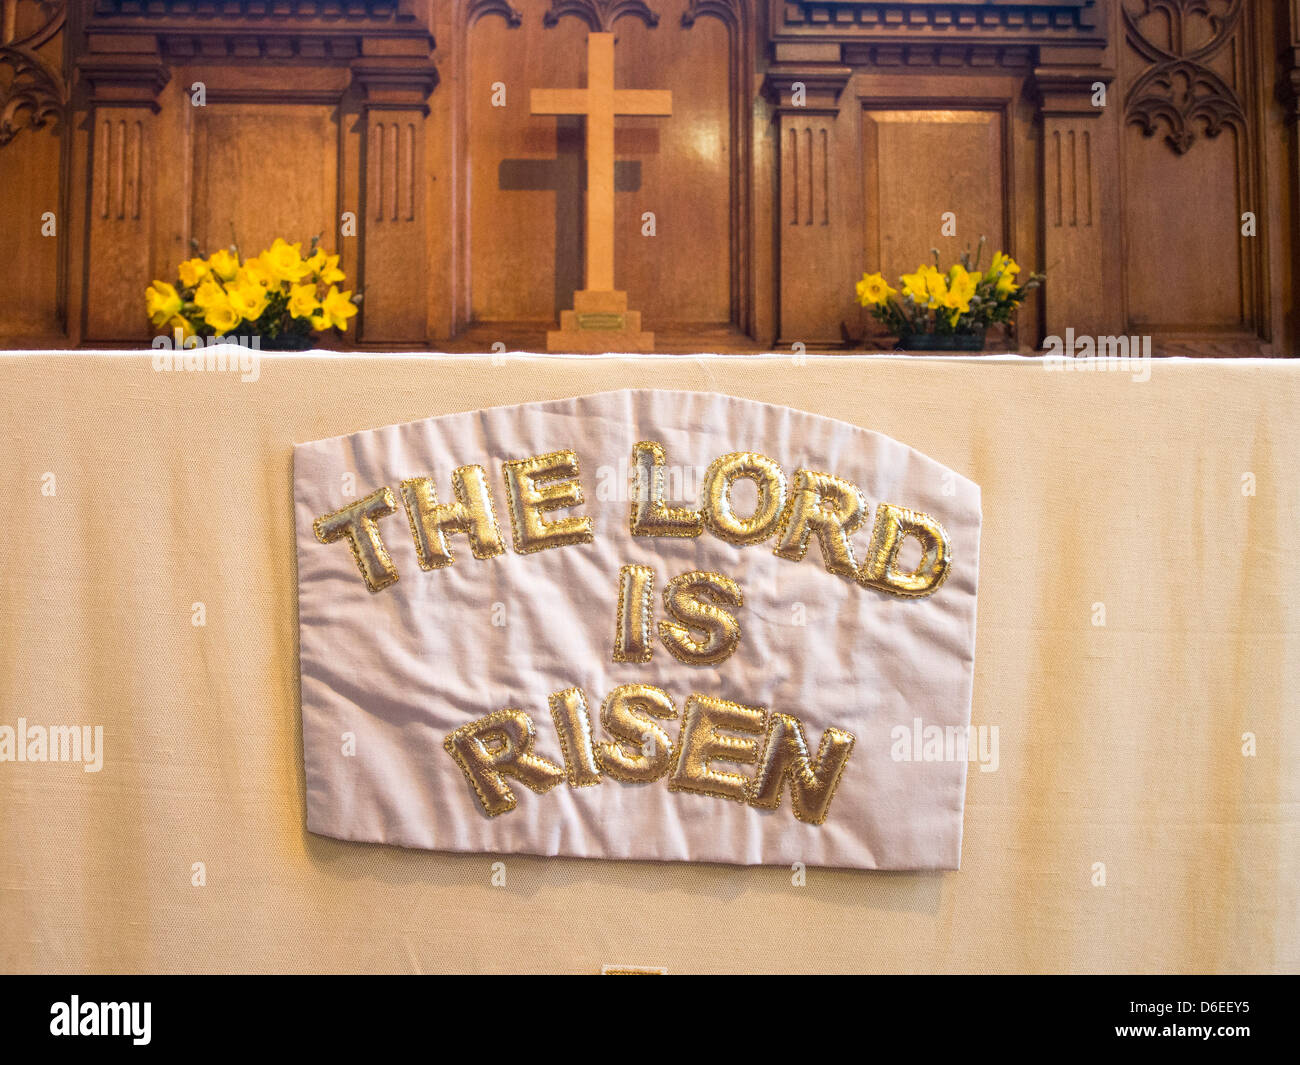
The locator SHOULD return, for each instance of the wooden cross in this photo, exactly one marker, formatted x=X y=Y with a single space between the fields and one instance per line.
x=600 y=102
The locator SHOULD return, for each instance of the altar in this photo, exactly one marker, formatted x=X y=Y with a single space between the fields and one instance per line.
x=1131 y=779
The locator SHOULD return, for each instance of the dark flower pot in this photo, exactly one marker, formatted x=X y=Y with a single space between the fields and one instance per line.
x=941 y=342
x=286 y=342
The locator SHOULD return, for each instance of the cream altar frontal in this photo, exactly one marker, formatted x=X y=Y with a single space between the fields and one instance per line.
x=693 y=663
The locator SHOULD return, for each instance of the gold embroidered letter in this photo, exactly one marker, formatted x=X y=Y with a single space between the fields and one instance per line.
x=511 y=734
x=701 y=743
x=573 y=723
x=650 y=515
x=356 y=521
x=636 y=585
x=830 y=507
x=812 y=784
x=472 y=514
x=718 y=514
x=644 y=750
x=690 y=598
x=893 y=525
x=540 y=484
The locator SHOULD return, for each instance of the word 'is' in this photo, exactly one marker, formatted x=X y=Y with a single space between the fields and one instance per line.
x=816 y=504
x=501 y=746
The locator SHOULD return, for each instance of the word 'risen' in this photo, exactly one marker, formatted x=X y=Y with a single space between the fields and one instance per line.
x=500 y=746
x=816 y=504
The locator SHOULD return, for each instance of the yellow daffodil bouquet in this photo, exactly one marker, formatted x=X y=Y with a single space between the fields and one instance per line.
x=278 y=296
x=948 y=310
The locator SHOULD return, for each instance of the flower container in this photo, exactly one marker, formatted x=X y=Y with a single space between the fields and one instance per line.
x=941 y=341
x=935 y=310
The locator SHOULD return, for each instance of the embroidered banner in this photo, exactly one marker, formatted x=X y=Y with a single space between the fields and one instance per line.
x=639 y=624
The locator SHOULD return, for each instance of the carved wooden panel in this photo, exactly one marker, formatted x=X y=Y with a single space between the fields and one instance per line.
x=233 y=121
x=1189 y=153
x=264 y=171
x=29 y=178
x=526 y=172
x=766 y=208
x=920 y=165
x=33 y=96
x=685 y=171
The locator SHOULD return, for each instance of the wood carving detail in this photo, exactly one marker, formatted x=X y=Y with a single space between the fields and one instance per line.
x=316 y=31
x=728 y=11
x=34 y=94
x=300 y=10
x=600 y=15
x=1070 y=155
x=479 y=8
x=119 y=175
x=393 y=180
x=924 y=17
x=1179 y=92
x=806 y=170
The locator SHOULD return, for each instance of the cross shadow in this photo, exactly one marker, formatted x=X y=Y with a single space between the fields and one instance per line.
x=566 y=176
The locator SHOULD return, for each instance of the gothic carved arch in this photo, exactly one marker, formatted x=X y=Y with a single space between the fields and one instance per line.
x=478 y=9
x=600 y=15
x=1179 y=93
x=34 y=95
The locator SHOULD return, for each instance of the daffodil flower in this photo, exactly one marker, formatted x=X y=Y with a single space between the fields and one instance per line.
x=302 y=301
x=873 y=289
x=222 y=317
x=283 y=261
x=249 y=300
x=335 y=310
x=192 y=271
x=162 y=302
x=224 y=263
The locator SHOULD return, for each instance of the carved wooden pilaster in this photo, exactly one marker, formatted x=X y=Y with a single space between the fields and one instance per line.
x=123 y=76
x=1075 y=144
x=806 y=101
x=393 y=92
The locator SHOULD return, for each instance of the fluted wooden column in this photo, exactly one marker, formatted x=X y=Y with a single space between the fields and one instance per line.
x=806 y=103
x=1080 y=198
x=124 y=80
x=393 y=92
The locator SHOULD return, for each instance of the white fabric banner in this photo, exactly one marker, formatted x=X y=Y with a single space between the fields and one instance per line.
x=640 y=624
